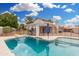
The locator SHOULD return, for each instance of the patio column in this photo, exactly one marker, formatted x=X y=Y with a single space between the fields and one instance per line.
x=37 y=30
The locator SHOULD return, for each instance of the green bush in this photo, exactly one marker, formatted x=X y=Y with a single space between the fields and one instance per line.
x=7 y=29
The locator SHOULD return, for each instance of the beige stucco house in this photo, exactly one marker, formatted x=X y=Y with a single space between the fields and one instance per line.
x=38 y=27
x=76 y=30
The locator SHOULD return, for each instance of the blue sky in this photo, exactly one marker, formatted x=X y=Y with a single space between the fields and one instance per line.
x=66 y=13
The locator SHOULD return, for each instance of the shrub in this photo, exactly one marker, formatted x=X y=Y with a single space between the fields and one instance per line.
x=7 y=29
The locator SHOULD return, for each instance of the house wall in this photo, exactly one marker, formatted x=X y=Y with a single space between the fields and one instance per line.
x=53 y=30
x=42 y=24
x=39 y=22
x=76 y=30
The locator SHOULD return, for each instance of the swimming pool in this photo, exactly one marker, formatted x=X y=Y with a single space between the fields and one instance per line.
x=30 y=46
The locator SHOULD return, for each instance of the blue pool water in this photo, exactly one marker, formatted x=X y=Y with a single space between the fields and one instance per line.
x=29 y=46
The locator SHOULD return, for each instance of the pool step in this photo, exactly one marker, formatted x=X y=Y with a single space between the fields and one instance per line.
x=68 y=43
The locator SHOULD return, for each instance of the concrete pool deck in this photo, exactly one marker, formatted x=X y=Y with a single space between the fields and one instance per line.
x=4 y=50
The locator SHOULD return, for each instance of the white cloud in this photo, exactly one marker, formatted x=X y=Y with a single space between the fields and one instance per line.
x=35 y=8
x=33 y=14
x=26 y=7
x=69 y=10
x=57 y=17
x=72 y=22
x=18 y=17
x=50 y=5
x=77 y=17
x=73 y=4
x=69 y=25
x=64 y=6
x=58 y=6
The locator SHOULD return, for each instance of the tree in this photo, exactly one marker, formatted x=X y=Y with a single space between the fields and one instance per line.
x=28 y=19
x=22 y=26
x=56 y=20
x=50 y=20
x=8 y=19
